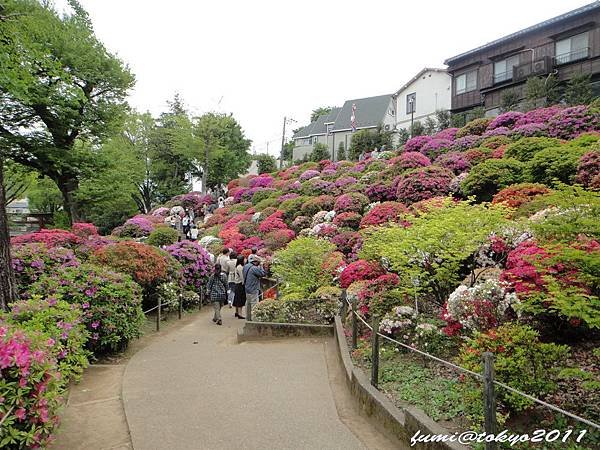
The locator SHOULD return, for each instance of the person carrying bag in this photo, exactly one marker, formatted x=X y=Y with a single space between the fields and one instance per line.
x=217 y=291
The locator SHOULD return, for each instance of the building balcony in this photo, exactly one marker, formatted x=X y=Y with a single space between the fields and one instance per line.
x=576 y=55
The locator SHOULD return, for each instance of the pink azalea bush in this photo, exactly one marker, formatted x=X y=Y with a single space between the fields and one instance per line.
x=424 y=183
x=352 y=202
x=454 y=161
x=360 y=270
x=410 y=160
x=588 y=170
x=84 y=230
x=506 y=120
x=571 y=122
x=416 y=143
x=32 y=389
x=383 y=213
x=436 y=147
x=51 y=238
x=138 y=226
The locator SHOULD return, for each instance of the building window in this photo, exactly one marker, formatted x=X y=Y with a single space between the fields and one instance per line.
x=466 y=82
x=503 y=70
x=572 y=49
x=411 y=103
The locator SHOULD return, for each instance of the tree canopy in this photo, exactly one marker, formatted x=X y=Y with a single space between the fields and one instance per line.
x=61 y=92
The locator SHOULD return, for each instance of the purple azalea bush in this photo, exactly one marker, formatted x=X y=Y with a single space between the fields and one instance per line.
x=415 y=144
x=454 y=161
x=308 y=174
x=195 y=262
x=435 y=147
x=31 y=261
x=466 y=142
x=261 y=181
x=506 y=120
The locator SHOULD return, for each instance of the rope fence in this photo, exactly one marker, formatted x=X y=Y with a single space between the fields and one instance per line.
x=487 y=377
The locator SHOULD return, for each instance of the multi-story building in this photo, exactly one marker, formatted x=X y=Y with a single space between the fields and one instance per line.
x=565 y=46
x=335 y=129
x=427 y=92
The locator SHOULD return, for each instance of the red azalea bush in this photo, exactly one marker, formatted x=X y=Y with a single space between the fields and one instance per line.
x=372 y=297
x=348 y=242
x=383 y=213
x=477 y=155
x=351 y=202
x=424 y=183
x=31 y=261
x=84 y=230
x=273 y=222
x=519 y=194
x=147 y=265
x=454 y=161
x=347 y=220
x=360 y=270
x=316 y=204
x=51 y=238
x=31 y=388
x=495 y=142
x=522 y=268
x=277 y=239
x=588 y=170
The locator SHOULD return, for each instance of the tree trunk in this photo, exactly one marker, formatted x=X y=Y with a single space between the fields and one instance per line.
x=68 y=186
x=8 y=285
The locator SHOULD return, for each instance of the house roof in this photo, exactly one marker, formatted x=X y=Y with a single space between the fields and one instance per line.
x=417 y=76
x=370 y=112
x=567 y=15
x=318 y=126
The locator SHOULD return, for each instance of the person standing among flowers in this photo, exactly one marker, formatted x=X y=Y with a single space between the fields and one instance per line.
x=252 y=275
x=231 y=277
x=217 y=292
x=239 y=298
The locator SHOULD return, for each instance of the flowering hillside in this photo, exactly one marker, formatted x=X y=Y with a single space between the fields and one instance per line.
x=455 y=241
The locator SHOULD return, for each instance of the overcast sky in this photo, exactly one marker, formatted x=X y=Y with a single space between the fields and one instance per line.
x=263 y=60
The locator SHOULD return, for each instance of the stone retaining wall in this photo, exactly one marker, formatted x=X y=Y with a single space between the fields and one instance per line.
x=273 y=330
x=400 y=423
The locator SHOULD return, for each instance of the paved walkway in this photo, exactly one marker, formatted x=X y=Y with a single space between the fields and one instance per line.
x=196 y=388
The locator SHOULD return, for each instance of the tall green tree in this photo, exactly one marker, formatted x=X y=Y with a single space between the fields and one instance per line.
x=367 y=140
x=224 y=154
x=266 y=163
x=59 y=88
x=579 y=90
x=17 y=179
x=320 y=152
x=320 y=111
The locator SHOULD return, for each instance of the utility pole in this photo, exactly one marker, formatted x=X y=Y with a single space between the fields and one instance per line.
x=205 y=169
x=282 y=143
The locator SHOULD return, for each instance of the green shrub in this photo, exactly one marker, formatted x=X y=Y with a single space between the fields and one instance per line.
x=61 y=322
x=263 y=195
x=494 y=142
x=525 y=148
x=269 y=202
x=555 y=164
x=292 y=208
x=521 y=361
x=320 y=310
x=163 y=235
x=474 y=127
x=488 y=177
x=300 y=265
x=111 y=302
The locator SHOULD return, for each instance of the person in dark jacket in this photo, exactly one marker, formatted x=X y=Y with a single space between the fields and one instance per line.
x=252 y=275
x=217 y=292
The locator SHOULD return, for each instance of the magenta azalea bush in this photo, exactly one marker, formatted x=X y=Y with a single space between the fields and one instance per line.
x=352 y=202
x=506 y=120
x=110 y=301
x=136 y=227
x=424 y=183
x=415 y=144
x=31 y=261
x=588 y=170
x=195 y=262
x=454 y=161
x=436 y=147
x=571 y=122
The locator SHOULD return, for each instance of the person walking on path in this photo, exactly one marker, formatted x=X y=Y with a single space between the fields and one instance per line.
x=252 y=275
x=217 y=292
x=239 y=298
x=231 y=264
x=223 y=260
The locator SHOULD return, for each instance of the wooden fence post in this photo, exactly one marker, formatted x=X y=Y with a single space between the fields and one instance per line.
x=354 y=325
x=375 y=352
x=180 y=305
x=248 y=310
x=489 y=398
x=344 y=312
x=158 y=313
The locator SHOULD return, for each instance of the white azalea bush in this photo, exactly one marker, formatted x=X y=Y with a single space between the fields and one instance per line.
x=479 y=308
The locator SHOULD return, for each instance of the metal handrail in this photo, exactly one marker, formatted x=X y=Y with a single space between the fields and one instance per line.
x=477 y=375
x=576 y=55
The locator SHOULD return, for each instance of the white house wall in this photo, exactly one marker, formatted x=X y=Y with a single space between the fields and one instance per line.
x=433 y=91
